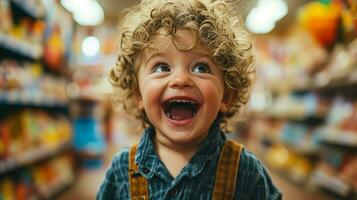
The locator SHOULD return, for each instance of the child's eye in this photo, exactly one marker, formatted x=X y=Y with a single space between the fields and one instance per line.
x=200 y=68
x=161 y=67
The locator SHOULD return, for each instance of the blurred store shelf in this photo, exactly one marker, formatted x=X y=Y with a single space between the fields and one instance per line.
x=57 y=189
x=341 y=145
x=35 y=104
x=31 y=8
x=30 y=157
x=344 y=85
x=331 y=183
x=15 y=48
x=35 y=127
x=295 y=191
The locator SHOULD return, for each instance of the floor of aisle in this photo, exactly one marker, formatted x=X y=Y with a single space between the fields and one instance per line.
x=293 y=192
x=87 y=182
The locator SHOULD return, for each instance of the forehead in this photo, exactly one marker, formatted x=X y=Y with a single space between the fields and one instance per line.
x=183 y=40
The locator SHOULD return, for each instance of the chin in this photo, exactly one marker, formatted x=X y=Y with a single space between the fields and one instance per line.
x=183 y=137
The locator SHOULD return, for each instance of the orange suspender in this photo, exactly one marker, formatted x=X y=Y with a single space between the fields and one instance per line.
x=138 y=184
x=226 y=174
x=227 y=170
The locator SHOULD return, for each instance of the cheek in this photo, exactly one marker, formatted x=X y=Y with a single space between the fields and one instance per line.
x=213 y=93
x=150 y=92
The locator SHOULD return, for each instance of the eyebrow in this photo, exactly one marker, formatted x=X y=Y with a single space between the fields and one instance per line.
x=158 y=53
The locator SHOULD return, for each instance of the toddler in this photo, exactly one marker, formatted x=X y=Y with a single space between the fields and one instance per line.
x=184 y=68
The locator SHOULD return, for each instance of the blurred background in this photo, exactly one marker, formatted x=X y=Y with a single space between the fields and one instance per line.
x=59 y=129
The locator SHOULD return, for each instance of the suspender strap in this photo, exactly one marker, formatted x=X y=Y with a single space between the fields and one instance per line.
x=226 y=174
x=227 y=170
x=138 y=184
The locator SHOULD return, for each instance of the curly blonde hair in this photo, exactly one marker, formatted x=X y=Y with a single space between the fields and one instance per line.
x=216 y=27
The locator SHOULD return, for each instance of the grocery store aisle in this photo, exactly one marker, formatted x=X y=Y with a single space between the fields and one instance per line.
x=301 y=116
x=88 y=181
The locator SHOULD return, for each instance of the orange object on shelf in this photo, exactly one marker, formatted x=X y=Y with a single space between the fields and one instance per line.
x=54 y=50
x=350 y=123
x=321 y=20
x=21 y=191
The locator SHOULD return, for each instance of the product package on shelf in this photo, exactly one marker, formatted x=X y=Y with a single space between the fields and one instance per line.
x=314 y=154
x=41 y=181
x=21 y=35
x=287 y=147
x=29 y=136
x=348 y=172
x=304 y=105
x=298 y=106
x=5 y=16
x=290 y=60
x=337 y=174
x=35 y=127
x=341 y=127
x=341 y=68
x=27 y=83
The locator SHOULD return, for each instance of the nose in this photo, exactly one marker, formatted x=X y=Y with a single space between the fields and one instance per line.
x=181 y=79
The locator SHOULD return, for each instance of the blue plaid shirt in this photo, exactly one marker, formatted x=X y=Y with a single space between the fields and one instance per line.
x=196 y=179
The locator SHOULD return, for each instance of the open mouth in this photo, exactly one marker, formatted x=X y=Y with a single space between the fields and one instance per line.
x=180 y=109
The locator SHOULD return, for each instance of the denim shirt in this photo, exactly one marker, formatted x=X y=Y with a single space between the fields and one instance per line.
x=195 y=181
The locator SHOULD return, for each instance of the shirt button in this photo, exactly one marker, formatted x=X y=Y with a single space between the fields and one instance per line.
x=146 y=170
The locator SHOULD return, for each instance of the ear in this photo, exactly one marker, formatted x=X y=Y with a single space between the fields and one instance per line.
x=227 y=100
x=141 y=105
x=223 y=107
x=138 y=100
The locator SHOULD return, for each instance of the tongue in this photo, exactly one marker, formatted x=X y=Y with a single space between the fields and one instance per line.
x=181 y=113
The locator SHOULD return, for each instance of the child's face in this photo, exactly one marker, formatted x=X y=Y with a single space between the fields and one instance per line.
x=181 y=91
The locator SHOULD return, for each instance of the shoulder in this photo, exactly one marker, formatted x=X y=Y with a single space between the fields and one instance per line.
x=120 y=165
x=249 y=162
x=253 y=179
x=121 y=158
x=116 y=182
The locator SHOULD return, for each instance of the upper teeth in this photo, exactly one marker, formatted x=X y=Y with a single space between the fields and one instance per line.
x=182 y=101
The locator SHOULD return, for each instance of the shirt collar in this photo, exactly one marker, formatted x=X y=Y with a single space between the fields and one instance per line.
x=209 y=150
x=146 y=156
x=147 y=159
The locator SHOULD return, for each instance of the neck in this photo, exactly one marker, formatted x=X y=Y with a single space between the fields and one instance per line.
x=175 y=156
x=184 y=151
